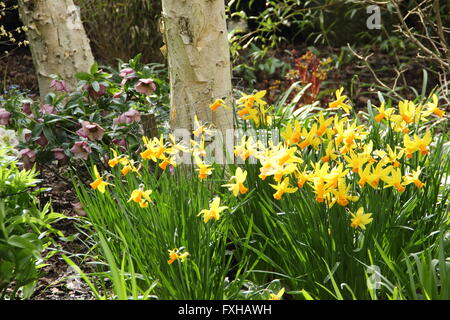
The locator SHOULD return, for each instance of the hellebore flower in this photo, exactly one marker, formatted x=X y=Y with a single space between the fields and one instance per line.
x=42 y=140
x=130 y=116
x=145 y=86
x=91 y=131
x=26 y=108
x=28 y=158
x=47 y=109
x=125 y=72
x=59 y=85
x=121 y=143
x=59 y=155
x=81 y=150
x=4 y=117
x=8 y=137
x=95 y=94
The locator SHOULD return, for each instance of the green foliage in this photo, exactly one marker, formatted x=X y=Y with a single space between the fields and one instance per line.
x=24 y=229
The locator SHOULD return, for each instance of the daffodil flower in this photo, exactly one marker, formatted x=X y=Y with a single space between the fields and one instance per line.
x=213 y=212
x=204 y=170
x=339 y=102
x=282 y=188
x=122 y=159
x=141 y=197
x=414 y=178
x=238 y=186
x=175 y=254
x=277 y=296
x=99 y=183
x=361 y=219
x=218 y=103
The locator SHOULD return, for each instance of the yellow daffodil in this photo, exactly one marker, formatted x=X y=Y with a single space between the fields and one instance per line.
x=98 y=183
x=432 y=108
x=248 y=100
x=277 y=296
x=282 y=188
x=122 y=159
x=341 y=196
x=128 y=167
x=394 y=180
x=238 y=186
x=204 y=170
x=201 y=129
x=339 y=102
x=141 y=197
x=166 y=161
x=175 y=254
x=292 y=133
x=213 y=212
x=383 y=113
x=414 y=178
x=361 y=219
x=355 y=161
x=323 y=124
x=217 y=104
x=330 y=153
x=417 y=144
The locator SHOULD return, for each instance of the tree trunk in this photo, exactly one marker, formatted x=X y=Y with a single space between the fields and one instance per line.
x=199 y=61
x=58 y=42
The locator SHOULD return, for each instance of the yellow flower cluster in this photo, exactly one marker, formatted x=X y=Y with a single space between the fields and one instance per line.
x=252 y=107
x=344 y=162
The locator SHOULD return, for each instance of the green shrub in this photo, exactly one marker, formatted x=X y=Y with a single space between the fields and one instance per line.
x=24 y=228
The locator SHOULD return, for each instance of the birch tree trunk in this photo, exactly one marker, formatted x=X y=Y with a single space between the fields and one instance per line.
x=57 y=40
x=199 y=61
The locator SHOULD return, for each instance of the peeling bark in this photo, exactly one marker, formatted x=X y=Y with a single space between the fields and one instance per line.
x=58 y=42
x=199 y=61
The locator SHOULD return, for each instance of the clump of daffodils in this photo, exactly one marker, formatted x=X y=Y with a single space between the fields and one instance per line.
x=344 y=161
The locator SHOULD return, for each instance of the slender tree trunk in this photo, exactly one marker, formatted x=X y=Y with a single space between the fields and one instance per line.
x=199 y=61
x=58 y=42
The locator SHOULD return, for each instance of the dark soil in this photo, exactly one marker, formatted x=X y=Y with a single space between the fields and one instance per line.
x=16 y=69
x=59 y=281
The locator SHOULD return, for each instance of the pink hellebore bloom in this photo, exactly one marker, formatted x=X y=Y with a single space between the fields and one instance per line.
x=81 y=150
x=91 y=131
x=130 y=116
x=42 y=140
x=26 y=108
x=122 y=143
x=59 y=155
x=125 y=72
x=95 y=94
x=48 y=109
x=145 y=86
x=4 y=117
x=117 y=94
x=59 y=85
x=28 y=158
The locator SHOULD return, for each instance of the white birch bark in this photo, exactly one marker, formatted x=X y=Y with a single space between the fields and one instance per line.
x=57 y=40
x=199 y=61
